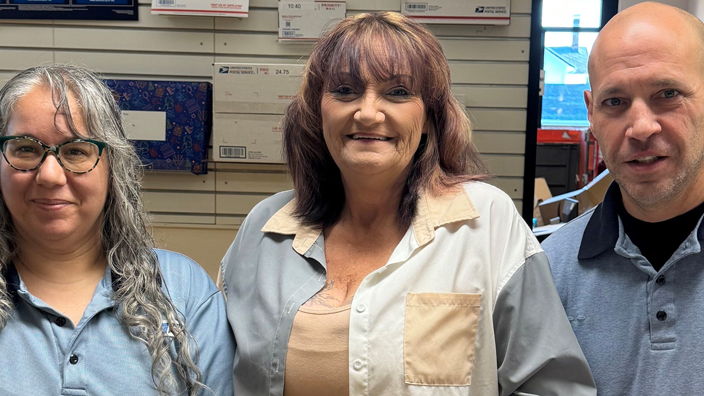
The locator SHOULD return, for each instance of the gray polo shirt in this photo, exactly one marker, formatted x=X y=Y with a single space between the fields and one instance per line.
x=45 y=355
x=640 y=330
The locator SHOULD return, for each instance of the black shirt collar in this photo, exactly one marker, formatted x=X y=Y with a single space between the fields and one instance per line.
x=601 y=233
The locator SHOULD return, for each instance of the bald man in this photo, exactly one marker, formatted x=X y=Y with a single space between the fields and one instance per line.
x=630 y=273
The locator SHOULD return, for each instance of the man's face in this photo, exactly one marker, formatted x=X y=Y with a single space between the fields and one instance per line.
x=646 y=109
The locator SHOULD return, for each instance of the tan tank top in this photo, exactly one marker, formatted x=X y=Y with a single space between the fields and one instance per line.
x=317 y=361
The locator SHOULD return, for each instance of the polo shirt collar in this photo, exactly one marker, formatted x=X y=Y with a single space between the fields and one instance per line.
x=602 y=231
x=431 y=212
x=12 y=279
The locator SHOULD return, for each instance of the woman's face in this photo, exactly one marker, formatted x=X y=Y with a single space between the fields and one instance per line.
x=373 y=128
x=51 y=204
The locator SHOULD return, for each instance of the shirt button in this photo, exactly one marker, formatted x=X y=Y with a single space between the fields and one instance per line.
x=73 y=359
x=660 y=280
x=357 y=365
x=361 y=308
x=60 y=321
x=661 y=315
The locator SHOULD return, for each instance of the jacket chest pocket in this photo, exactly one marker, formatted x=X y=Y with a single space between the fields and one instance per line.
x=438 y=340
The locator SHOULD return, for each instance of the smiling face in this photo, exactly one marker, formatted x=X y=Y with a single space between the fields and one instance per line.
x=372 y=128
x=50 y=204
x=646 y=109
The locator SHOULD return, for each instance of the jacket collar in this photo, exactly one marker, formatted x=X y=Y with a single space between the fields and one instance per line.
x=432 y=212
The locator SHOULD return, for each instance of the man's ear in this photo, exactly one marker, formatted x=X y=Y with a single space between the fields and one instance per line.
x=588 y=101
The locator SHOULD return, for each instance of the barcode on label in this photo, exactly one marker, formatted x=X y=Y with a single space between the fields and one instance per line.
x=417 y=6
x=288 y=23
x=233 y=152
x=288 y=33
x=166 y=2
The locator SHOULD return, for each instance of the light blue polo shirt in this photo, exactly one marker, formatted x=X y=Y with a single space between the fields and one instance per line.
x=640 y=329
x=45 y=355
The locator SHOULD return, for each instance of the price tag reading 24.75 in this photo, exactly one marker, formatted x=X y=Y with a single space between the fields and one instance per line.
x=305 y=21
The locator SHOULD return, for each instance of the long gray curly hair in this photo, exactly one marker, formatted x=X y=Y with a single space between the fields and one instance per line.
x=129 y=248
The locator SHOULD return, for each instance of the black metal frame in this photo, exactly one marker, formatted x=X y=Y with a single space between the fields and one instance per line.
x=609 y=8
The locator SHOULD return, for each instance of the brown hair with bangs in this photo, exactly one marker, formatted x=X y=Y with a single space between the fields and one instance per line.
x=377 y=46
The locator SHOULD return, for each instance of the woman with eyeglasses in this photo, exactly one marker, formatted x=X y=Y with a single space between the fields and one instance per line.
x=88 y=306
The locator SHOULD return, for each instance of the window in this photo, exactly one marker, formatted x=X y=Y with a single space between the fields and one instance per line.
x=569 y=30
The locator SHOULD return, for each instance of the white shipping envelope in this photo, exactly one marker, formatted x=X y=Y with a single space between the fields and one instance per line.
x=144 y=125
x=476 y=12
x=255 y=88
x=247 y=138
x=306 y=21
x=221 y=8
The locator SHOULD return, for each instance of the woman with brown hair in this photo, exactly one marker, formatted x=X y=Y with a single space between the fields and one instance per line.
x=391 y=269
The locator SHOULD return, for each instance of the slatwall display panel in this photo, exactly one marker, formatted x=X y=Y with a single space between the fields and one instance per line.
x=212 y=245
x=513 y=186
x=179 y=198
x=39 y=36
x=87 y=38
x=519 y=204
x=162 y=180
x=500 y=73
x=238 y=204
x=143 y=65
x=4 y=77
x=494 y=96
x=498 y=119
x=520 y=7
x=482 y=49
x=499 y=142
x=179 y=201
x=489 y=66
x=257 y=44
x=505 y=165
x=294 y=59
x=253 y=182
x=18 y=59
x=149 y=21
x=260 y=20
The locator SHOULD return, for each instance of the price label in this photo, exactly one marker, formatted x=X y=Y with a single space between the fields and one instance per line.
x=305 y=21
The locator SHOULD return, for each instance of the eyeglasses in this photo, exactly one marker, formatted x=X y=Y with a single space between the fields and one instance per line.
x=26 y=153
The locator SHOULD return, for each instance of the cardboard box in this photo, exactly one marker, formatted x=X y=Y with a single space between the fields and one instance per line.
x=182 y=145
x=588 y=197
x=482 y=12
x=255 y=88
x=247 y=138
x=541 y=193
